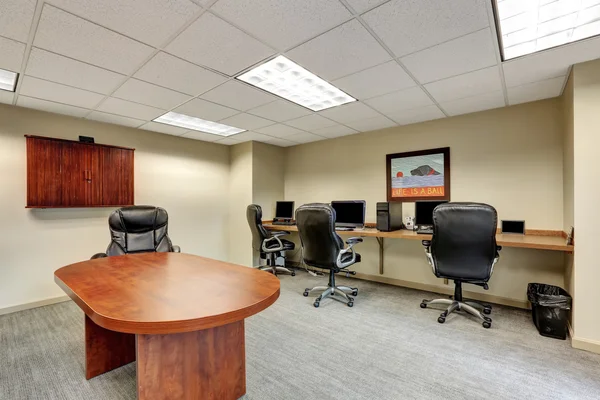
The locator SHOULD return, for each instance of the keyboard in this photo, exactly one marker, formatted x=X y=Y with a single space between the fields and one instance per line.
x=283 y=223
x=344 y=229
x=425 y=231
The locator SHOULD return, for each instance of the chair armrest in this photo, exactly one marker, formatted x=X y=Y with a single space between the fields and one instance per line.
x=272 y=249
x=98 y=255
x=280 y=233
x=176 y=249
x=354 y=240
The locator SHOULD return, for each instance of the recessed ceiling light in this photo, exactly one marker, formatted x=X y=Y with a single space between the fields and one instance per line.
x=8 y=80
x=197 y=124
x=287 y=79
x=528 y=26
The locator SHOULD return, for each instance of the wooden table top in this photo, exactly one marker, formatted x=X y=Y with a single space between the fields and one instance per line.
x=541 y=242
x=160 y=293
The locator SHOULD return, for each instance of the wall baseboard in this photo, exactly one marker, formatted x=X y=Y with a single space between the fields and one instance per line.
x=586 y=344
x=34 y=304
x=488 y=298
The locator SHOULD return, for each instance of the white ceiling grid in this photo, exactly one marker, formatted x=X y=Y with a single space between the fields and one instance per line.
x=127 y=62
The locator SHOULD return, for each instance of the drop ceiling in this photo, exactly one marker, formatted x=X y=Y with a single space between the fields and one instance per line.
x=127 y=62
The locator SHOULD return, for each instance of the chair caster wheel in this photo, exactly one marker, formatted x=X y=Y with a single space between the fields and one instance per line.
x=350 y=304
x=316 y=304
x=293 y=273
x=487 y=319
x=355 y=293
x=441 y=320
x=487 y=324
x=423 y=305
x=487 y=311
x=305 y=294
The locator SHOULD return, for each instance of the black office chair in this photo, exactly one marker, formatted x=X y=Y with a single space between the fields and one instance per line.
x=323 y=248
x=463 y=248
x=268 y=244
x=138 y=229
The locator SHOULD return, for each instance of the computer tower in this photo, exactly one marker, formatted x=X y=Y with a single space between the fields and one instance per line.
x=389 y=216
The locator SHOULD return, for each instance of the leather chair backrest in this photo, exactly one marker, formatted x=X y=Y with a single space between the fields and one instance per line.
x=259 y=233
x=138 y=229
x=464 y=240
x=316 y=227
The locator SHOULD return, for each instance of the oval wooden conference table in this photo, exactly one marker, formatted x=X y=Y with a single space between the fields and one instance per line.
x=180 y=316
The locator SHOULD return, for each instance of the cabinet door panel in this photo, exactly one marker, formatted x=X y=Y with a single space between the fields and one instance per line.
x=74 y=175
x=44 y=173
x=93 y=172
x=117 y=177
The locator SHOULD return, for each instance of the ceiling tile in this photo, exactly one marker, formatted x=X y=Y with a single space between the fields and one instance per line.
x=206 y=137
x=413 y=25
x=41 y=89
x=415 y=115
x=550 y=63
x=15 y=18
x=228 y=141
x=6 y=97
x=57 y=108
x=114 y=119
x=283 y=23
x=468 y=53
x=375 y=81
x=279 y=131
x=212 y=42
x=310 y=122
x=247 y=136
x=150 y=95
x=279 y=110
x=405 y=99
x=362 y=5
x=470 y=84
x=12 y=54
x=473 y=104
x=341 y=51
x=66 y=34
x=149 y=21
x=164 y=128
x=205 y=110
x=246 y=121
x=304 y=137
x=371 y=124
x=56 y=68
x=282 y=143
x=334 y=131
x=129 y=109
x=350 y=112
x=172 y=72
x=238 y=95
x=536 y=91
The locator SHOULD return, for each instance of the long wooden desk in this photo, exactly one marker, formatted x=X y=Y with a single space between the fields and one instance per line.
x=180 y=316
x=549 y=241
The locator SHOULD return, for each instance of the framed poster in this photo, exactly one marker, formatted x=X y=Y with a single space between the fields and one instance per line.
x=418 y=175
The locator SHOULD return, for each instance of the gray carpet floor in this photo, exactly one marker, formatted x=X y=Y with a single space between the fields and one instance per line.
x=385 y=347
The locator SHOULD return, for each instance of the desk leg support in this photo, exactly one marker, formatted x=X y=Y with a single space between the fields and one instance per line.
x=380 y=241
x=106 y=350
x=206 y=364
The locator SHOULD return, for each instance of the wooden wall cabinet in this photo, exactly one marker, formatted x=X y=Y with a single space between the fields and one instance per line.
x=65 y=173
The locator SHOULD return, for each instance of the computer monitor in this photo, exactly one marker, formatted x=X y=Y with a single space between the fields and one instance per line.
x=349 y=214
x=284 y=210
x=424 y=212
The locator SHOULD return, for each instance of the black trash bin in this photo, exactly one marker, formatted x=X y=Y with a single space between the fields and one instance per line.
x=550 y=307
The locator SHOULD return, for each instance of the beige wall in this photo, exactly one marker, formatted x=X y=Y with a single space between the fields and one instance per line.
x=188 y=178
x=586 y=112
x=510 y=158
x=568 y=181
x=240 y=195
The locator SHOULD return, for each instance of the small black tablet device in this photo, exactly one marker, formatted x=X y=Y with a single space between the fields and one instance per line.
x=513 y=227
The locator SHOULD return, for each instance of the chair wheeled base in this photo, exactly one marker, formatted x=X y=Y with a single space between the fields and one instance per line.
x=332 y=290
x=273 y=268
x=457 y=304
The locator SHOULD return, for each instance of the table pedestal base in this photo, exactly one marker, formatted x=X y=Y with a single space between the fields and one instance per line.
x=106 y=350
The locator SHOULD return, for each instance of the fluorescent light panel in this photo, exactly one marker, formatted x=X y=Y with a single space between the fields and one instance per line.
x=528 y=26
x=197 y=124
x=8 y=80
x=286 y=79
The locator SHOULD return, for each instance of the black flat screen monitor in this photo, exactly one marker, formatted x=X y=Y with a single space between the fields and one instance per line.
x=424 y=212
x=284 y=209
x=349 y=214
